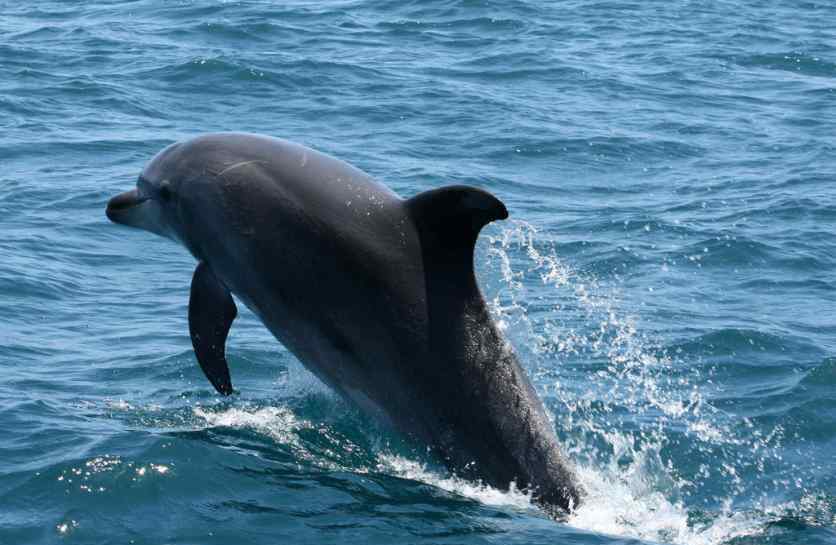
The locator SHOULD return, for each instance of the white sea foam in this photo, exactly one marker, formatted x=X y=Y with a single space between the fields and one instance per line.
x=410 y=469
x=623 y=501
x=279 y=423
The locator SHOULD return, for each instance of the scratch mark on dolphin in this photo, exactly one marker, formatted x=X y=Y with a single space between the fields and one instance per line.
x=240 y=164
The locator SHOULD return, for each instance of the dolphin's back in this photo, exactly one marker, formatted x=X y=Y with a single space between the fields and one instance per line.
x=285 y=202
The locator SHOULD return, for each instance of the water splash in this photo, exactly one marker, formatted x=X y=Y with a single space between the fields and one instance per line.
x=410 y=469
x=279 y=423
x=283 y=426
x=635 y=417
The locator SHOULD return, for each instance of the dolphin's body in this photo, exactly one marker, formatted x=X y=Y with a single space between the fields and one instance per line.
x=374 y=294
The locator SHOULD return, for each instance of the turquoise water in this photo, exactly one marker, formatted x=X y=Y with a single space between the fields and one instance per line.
x=667 y=274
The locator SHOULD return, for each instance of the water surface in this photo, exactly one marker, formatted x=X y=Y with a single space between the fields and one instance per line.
x=667 y=275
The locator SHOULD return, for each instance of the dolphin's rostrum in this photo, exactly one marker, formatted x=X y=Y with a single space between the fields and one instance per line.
x=374 y=294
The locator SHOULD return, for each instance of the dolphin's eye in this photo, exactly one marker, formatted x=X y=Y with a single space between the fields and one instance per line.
x=165 y=192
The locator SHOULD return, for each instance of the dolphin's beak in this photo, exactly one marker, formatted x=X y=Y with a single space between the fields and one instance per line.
x=130 y=208
x=119 y=208
x=135 y=210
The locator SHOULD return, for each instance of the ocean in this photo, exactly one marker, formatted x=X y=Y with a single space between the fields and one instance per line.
x=667 y=274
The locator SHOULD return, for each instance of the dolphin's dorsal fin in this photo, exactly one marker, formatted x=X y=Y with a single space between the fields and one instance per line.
x=211 y=312
x=448 y=220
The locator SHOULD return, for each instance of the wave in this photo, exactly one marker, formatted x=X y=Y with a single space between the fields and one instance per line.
x=793 y=61
x=735 y=341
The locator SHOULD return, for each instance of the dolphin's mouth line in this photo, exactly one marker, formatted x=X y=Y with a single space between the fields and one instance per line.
x=125 y=200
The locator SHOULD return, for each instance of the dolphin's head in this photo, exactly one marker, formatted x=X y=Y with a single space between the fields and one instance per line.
x=152 y=204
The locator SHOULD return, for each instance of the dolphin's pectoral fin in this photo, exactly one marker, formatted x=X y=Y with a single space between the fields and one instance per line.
x=449 y=220
x=211 y=312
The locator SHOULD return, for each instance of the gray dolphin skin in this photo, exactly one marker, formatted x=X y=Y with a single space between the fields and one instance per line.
x=375 y=294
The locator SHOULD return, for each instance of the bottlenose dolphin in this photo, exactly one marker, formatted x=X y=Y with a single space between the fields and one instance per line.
x=375 y=294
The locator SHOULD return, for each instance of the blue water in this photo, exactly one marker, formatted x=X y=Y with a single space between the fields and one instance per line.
x=667 y=275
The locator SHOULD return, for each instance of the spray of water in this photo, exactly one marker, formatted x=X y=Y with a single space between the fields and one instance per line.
x=627 y=411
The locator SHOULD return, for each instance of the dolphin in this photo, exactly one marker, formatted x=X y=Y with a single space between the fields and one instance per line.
x=373 y=293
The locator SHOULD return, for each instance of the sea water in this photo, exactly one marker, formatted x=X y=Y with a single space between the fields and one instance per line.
x=667 y=276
